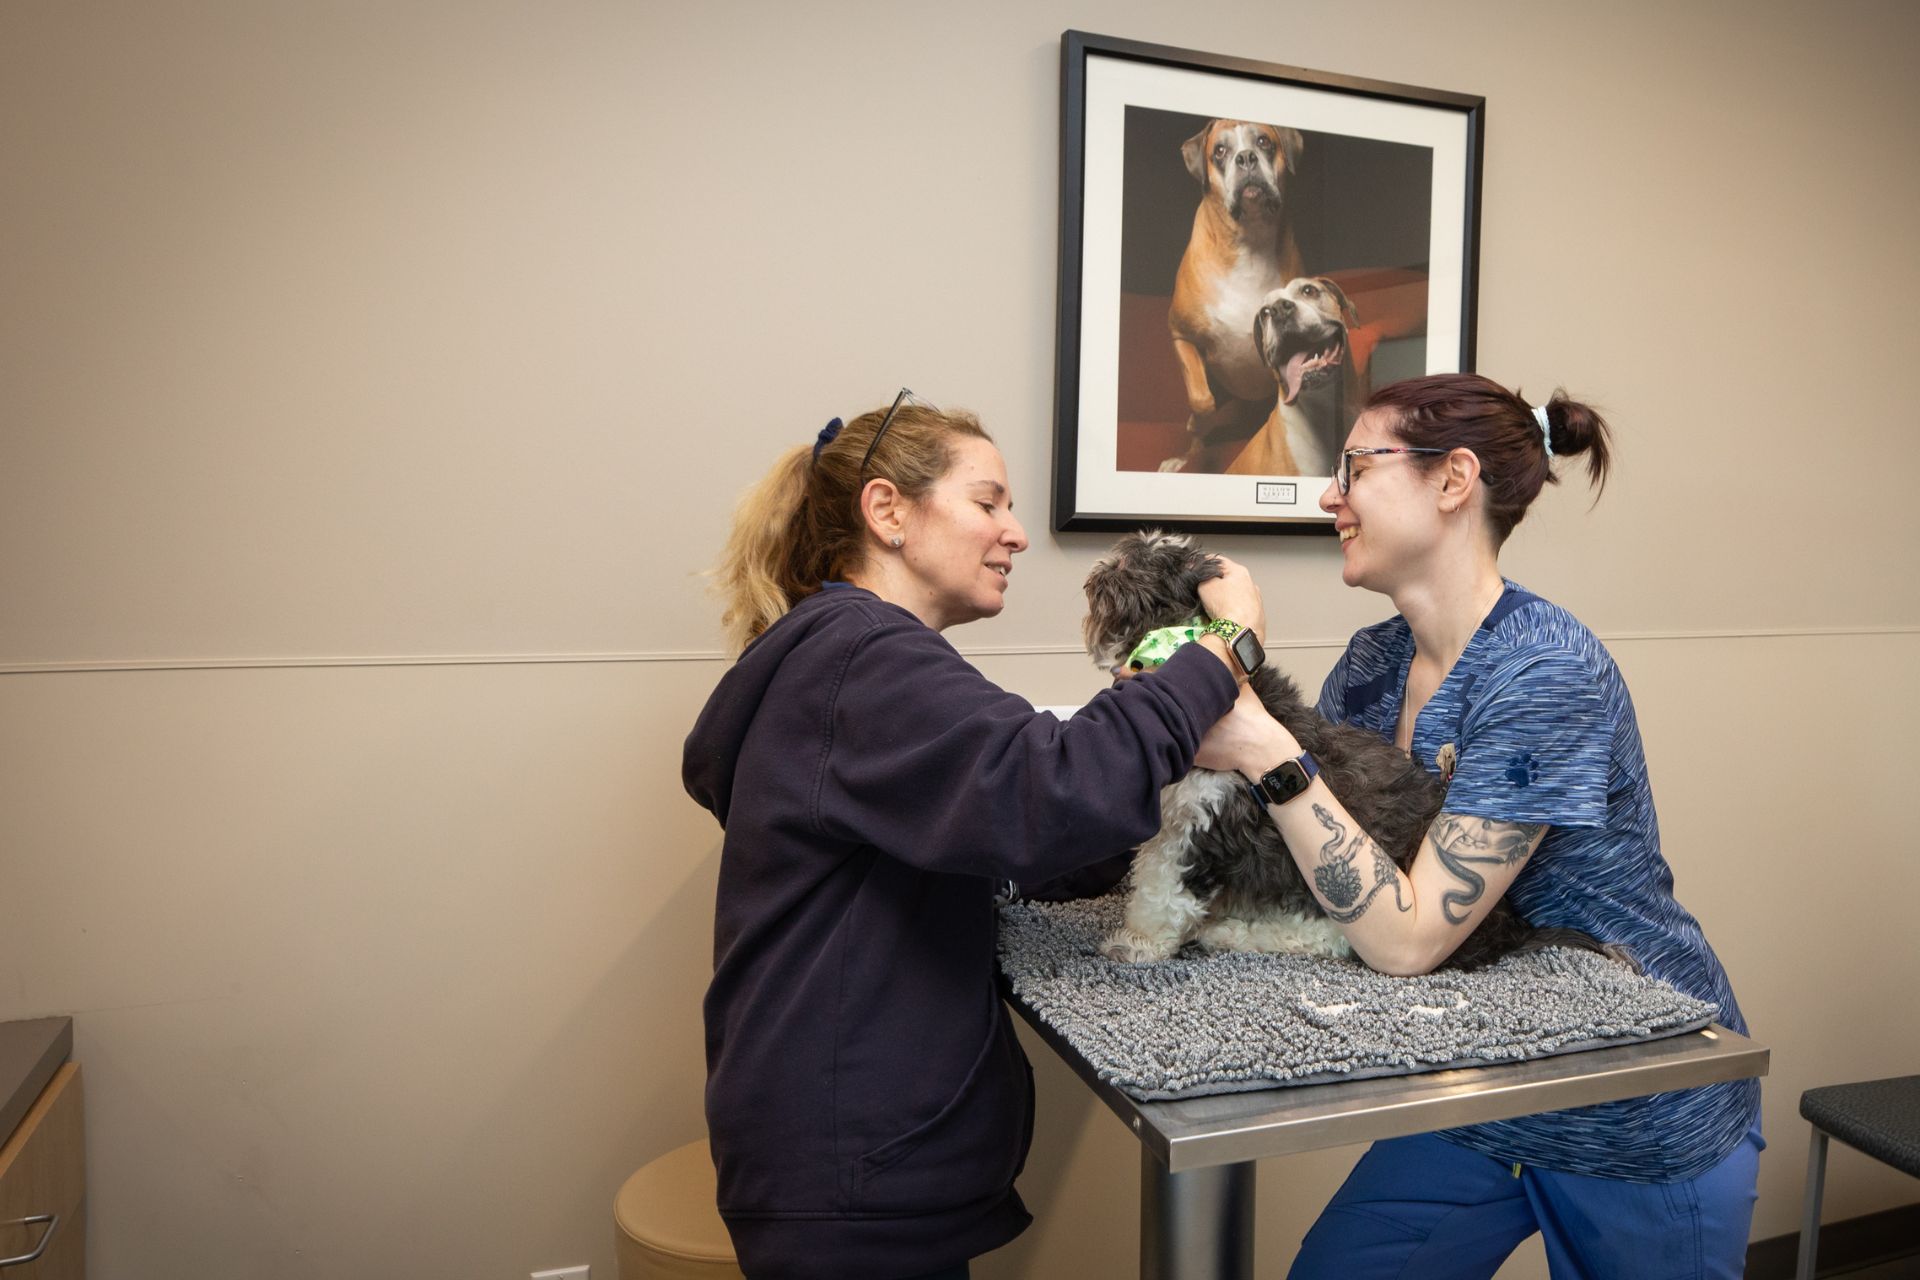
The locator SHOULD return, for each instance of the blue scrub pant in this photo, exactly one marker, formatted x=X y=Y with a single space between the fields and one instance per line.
x=1424 y=1207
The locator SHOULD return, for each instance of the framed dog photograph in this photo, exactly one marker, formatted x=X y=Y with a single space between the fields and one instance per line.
x=1246 y=250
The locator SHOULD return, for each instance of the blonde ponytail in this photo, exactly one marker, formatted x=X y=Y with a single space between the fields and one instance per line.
x=752 y=569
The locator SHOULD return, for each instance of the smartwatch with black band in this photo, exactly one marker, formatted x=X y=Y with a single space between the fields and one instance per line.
x=1286 y=780
x=1244 y=644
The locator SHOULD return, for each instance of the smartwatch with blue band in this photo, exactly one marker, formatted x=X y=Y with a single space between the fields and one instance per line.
x=1286 y=780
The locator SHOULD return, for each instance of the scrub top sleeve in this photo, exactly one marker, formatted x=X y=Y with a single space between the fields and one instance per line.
x=1333 y=694
x=1535 y=745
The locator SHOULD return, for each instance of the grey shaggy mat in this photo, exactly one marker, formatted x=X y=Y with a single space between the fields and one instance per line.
x=1220 y=1023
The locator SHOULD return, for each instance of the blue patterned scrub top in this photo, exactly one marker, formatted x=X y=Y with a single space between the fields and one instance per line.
x=1542 y=730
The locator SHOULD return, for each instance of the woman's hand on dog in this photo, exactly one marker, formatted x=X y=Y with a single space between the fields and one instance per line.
x=1233 y=596
x=1246 y=739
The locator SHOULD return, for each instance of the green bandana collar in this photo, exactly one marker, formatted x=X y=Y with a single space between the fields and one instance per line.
x=1157 y=646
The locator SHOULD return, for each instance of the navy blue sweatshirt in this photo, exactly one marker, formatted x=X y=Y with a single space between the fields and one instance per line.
x=867 y=1102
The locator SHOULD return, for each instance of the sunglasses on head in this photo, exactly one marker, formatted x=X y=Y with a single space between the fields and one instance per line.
x=887 y=421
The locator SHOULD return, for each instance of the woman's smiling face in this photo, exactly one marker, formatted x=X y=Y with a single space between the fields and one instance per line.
x=960 y=538
x=1388 y=520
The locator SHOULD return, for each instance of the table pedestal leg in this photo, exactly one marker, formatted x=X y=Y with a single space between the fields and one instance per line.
x=1196 y=1225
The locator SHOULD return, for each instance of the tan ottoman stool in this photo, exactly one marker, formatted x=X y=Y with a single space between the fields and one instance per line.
x=665 y=1224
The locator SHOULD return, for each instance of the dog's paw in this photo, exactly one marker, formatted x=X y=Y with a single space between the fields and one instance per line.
x=1174 y=464
x=1129 y=946
x=1228 y=934
x=1284 y=934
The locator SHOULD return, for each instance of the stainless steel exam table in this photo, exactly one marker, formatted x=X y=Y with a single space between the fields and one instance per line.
x=1197 y=1154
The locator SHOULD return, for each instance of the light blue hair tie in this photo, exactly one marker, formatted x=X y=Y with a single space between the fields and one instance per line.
x=1546 y=432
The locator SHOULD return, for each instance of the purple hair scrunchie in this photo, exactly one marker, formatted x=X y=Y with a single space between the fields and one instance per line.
x=826 y=437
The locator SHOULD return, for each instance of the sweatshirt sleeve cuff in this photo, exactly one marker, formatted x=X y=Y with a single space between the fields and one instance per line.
x=1199 y=669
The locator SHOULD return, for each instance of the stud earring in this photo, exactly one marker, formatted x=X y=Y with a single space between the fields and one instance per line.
x=898 y=540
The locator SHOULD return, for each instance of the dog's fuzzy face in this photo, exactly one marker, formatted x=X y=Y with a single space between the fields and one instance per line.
x=1149 y=580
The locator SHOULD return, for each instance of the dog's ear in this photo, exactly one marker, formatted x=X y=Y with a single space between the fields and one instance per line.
x=1347 y=309
x=1291 y=145
x=1095 y=590
x=1194 y=152
x=1196 y=568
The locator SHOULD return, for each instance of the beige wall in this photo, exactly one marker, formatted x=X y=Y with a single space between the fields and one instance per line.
x=373 y=379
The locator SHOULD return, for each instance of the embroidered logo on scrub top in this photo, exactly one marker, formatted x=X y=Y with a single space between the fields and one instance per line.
x=1523 y=769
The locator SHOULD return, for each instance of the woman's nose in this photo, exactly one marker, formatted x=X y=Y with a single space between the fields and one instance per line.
x=1331 y=497
x=1016 y=538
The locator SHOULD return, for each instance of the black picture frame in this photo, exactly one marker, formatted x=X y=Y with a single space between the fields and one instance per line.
x=1358 y=145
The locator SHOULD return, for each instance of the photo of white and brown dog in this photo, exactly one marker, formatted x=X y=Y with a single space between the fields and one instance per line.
x=1242 y=249
x=1302 y=334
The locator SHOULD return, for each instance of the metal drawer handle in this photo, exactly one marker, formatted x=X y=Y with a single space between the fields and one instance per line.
x=53 y=1224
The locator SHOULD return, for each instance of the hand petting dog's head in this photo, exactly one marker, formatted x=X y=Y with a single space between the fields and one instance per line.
x=1148 y=581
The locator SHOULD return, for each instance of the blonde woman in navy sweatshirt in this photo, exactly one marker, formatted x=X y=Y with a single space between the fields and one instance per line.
x=868 y=1105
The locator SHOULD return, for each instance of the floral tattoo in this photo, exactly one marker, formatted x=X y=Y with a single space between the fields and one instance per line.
x=1339 y=882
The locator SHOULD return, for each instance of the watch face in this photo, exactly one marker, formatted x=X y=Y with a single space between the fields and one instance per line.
x=1246 y=648
x=1283 y=782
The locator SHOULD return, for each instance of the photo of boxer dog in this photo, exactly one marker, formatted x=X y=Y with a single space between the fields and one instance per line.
x=1241 y=250
x=1301 y=332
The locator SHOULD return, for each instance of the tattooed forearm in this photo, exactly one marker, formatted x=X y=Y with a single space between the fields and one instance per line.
x=1385 y=873
x=1335 y=877
x=1462 y=841
x=1339 y=883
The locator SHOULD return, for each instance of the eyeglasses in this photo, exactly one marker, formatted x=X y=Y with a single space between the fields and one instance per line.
x=1343 y=469
x=887 y=421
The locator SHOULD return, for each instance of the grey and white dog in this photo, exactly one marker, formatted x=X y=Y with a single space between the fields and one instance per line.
x=1218 y=871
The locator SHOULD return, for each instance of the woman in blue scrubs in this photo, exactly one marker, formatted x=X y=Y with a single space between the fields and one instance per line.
x=1524 y=714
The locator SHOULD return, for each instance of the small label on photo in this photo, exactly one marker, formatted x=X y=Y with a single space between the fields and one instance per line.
x=1273 y=491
